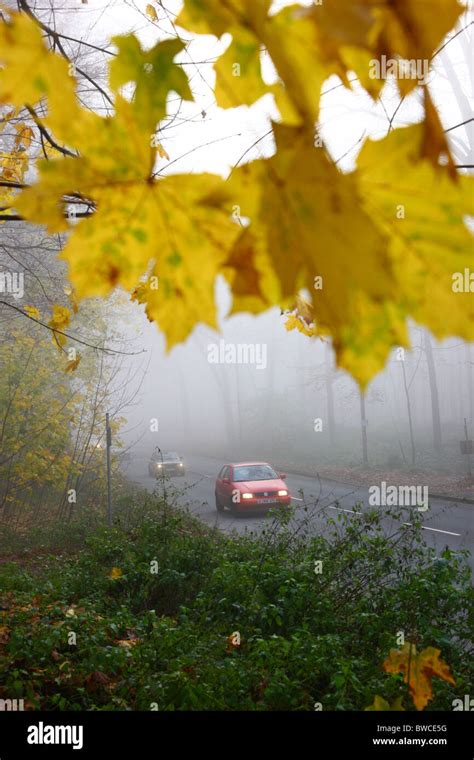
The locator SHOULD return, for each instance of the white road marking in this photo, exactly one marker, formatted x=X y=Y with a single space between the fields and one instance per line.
x=437 y=530
x=351 y=511
x=295 y=498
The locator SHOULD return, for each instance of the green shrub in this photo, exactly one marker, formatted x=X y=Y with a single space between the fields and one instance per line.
x=161 y=640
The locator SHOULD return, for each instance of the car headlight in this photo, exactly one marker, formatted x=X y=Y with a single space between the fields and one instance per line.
x=247 y=496
x=282 y=493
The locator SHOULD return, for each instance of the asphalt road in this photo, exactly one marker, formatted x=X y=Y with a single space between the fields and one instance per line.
x=445 y=523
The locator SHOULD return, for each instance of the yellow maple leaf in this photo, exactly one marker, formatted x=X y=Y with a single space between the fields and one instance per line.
x=161 y=151
x=72 y=298
x=418 y=669
x=154 y=73
x=422 y=211
x=301 y=317
x=216 y=17
x=238 y=72
x=336 y=37
x=151 y=12
x=115 y=573
x=140 y=218
x=352 y=34
x=179 y=291
x=127 y=643
x=73 y=364
x=30 y=71
x=401 y=30
x=295 y=322
x=313 y=224
x=24 y=135
x=32 y=311
x=380 y=704
x=248 y=271
x=419 y=210
x=60 y=319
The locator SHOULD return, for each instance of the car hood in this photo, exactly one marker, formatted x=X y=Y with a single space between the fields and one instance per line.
x=261 y=485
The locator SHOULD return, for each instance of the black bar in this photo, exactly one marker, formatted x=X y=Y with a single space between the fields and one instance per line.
x=157 y=734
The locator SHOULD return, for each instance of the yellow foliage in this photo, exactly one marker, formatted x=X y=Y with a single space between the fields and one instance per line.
x=72 y=365
x=31 y=71
x=384 y=240
x=151 y=13
x=422 y=240
x=32 y=311
x=308 y=44
x=418 y=670
x=154 y=75
x=59 y=321
x=380 y=704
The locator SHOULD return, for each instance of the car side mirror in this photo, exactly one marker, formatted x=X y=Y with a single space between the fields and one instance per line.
x=225 y=480
x=283 y=475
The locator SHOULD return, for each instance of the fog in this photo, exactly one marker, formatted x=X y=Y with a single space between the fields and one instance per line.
x=288 y=403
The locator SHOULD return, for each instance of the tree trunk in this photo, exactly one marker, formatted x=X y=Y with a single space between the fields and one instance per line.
x=363 y=422
x=470 y=389
x=437 y=439
x=329 y=394
x=410 y=419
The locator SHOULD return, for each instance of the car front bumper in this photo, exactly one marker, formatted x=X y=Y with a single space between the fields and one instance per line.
x=260 y=505
x=169 y=469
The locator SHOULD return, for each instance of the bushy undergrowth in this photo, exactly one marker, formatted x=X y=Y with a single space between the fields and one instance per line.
x=160 y=640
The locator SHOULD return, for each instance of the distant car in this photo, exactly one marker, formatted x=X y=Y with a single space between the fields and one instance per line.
x=168 y=462
x=250 y=486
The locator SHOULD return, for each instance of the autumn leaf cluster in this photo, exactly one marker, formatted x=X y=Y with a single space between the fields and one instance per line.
x=299 y=217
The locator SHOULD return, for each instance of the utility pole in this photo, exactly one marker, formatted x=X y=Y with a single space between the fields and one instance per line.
x=109 y=484
x=162 y=472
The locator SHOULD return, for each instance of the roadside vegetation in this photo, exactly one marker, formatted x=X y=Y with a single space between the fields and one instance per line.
x=162 y=612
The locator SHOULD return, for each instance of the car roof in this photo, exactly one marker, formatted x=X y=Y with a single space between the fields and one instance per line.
x=246 y=464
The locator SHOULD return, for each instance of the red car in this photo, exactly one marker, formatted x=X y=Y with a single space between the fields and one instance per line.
x=250 y=486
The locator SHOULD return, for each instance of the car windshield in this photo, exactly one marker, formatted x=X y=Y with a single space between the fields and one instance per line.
x=254 y=472
x=170 y=456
